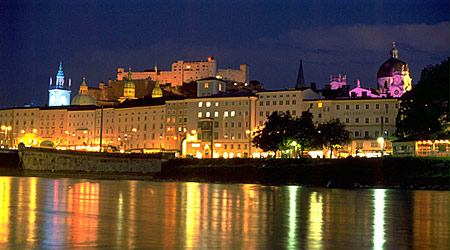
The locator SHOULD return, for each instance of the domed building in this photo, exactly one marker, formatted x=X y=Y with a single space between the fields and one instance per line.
x=83 y=99
x=157 y=91
x=129 y=89
x=393 y=75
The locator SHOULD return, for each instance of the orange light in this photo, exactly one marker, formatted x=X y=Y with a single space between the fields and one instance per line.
x=134 y=129
x=22 y=131
x=85 y=132
x=419 y=142
x=34 y=130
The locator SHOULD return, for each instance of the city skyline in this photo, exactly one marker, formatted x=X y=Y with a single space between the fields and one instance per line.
x=94 y=39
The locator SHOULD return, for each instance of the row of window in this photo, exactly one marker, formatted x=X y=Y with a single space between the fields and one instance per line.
x=227 y=136
x=367 y=120
x=357 y=106
x=367 y=134
x=216 y=104
x=274 y=96
x=138 y=118
x=280 y=103
x=217 y=113
x=261 y=113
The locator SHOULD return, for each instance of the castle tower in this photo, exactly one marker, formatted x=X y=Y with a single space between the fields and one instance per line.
x=59 y=94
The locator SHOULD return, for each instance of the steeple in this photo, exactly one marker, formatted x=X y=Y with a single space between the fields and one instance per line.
x=83 y=87
x=157 y=91
x=60 y=76
x=394 y=51
x=300 y=77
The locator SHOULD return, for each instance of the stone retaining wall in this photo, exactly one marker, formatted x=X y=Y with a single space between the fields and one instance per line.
x=41 y=159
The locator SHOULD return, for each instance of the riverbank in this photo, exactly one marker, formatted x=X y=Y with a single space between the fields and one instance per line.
x=397 y=173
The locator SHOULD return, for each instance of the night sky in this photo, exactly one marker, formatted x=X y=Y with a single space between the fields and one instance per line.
x=93 y=38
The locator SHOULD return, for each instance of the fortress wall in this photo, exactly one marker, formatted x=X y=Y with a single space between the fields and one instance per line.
x=41 y=159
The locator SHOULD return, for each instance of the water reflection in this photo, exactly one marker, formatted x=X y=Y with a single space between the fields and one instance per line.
x=70 y=213
x=378 y=234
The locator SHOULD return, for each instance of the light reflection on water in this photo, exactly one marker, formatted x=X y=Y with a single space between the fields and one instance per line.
x=68 y=213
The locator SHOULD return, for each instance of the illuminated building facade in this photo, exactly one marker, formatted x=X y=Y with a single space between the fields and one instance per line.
x=215 y=122
x=187 y=71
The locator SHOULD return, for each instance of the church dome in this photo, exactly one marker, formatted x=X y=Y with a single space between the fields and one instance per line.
x=83 y=100
x=129 y=84
x=157 y=91
x=391 y=65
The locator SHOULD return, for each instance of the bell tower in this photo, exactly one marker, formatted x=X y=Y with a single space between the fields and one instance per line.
x=59 y=93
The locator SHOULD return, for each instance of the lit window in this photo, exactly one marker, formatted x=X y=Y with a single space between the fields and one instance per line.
x=199 y=114
x=225 y=113
x=200 y=104
x=217 y=104
x=208 y=114
x=206 y=85
x=208 y=104
x=220 y=87
x=233 y=113
x=319 y=105
x=216 y=114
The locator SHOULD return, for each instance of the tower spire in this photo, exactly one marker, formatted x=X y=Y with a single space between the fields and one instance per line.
x=394 y=51
x=300 y=77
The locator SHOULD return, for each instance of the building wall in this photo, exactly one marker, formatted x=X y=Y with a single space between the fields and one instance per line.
x=238 y=75
x=362 y=117
x=231 y=118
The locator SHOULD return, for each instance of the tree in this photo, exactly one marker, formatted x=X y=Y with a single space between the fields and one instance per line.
x=332 y=134
x=424 y=111
x=275 y=132
x=304 y=131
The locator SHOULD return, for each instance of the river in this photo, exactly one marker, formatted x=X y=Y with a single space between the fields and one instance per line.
x=54 y=213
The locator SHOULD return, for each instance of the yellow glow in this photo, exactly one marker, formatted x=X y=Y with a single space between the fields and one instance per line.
x=292 y=217
x=5 y=187
x=85 y=132
x=378 y=227
x=22 y=131
x=193 y=200
x=380 y=140
x=193 y=131
x=32 y=208
x=134 y=129
x=195 y=145
x=319 y=105
x=315 y=221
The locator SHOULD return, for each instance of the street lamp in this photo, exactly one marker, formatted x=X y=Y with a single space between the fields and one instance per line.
x=6 y=129
x=380 y=140
x=248 y=132
x=294 y=144
x=67 y=138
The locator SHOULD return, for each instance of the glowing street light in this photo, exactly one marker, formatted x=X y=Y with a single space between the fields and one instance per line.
x=294 y=144
x=6 y=129
x=380 y=140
